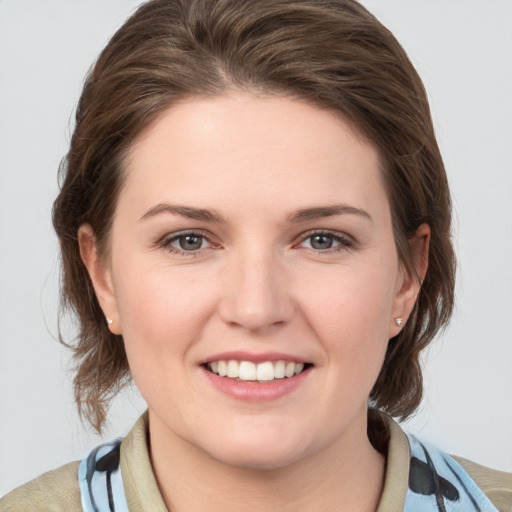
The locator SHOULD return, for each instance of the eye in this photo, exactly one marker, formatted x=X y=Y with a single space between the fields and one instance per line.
x=321 y=241
x=324 y=241
x=188 y=243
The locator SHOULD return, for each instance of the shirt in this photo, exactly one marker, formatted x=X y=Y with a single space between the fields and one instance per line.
x=58 y=490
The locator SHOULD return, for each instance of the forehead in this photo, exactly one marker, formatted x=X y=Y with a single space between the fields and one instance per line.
x=284 y=150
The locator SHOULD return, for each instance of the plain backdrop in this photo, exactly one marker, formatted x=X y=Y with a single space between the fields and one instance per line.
x=463 y=51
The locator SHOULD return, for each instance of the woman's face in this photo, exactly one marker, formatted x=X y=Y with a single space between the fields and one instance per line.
x=253 y=236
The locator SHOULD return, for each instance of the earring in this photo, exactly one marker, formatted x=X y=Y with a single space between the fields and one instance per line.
x=110 y=321
x=399 y=321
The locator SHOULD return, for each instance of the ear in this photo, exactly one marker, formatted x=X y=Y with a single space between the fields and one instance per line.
x=409 y=283
x=101 y=277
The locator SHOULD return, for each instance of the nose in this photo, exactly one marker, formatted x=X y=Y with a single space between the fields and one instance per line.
x=255 y=292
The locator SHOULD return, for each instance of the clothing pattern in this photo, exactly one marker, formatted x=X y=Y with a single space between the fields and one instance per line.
x=100 y=480
x=437 y=483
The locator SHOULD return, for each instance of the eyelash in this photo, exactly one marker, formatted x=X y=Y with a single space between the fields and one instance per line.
x=166 y=242
x=344 y=242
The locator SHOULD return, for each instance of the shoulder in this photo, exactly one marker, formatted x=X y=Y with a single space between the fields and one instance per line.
x=463 y=484
x=496 y=485
x=55 y=491
x=418 y=473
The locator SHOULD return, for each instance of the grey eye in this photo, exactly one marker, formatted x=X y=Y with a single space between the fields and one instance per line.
x=321 y=241
x=190 y=242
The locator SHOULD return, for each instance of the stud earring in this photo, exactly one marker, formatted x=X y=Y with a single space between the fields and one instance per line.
x=110 y=321
x=399 y=321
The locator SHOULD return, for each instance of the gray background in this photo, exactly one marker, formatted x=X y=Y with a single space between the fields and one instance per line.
x=463 y=51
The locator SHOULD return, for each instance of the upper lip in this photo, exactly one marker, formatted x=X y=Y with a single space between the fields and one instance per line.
x=254 y=357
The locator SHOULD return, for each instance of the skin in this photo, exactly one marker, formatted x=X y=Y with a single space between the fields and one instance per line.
x=257 y=283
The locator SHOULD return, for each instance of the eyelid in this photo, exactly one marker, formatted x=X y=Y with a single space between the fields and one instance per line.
x=345 y=241
x=165 y=241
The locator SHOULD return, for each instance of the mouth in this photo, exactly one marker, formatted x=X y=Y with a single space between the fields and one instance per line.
x=263 y=372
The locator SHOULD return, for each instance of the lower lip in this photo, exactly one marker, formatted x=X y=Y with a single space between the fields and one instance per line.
x=256 y=391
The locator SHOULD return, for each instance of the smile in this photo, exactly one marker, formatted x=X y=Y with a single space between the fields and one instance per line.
x=266 y=371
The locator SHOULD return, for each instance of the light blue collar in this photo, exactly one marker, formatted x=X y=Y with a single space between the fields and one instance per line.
x=437 y=483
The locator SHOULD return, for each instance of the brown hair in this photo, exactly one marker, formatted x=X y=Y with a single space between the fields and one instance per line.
x=332 y=53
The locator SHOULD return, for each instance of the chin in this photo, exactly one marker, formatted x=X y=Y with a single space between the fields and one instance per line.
x=261 y=451
x=258 y=460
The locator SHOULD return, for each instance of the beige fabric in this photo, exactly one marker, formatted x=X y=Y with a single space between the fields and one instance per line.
x=140 y=486
x=57 y=491
x=496 y=485
x=397 y=470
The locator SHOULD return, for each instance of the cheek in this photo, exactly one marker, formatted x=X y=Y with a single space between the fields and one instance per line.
x=162 y=312
x=162 y=321
x=351 y=301
x=350 y=311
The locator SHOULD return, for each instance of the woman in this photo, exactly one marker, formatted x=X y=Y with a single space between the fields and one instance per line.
x=255 y=225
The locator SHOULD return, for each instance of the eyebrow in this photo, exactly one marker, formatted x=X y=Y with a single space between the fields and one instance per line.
x=302 y=215
x=318 y=212
x=185 y=211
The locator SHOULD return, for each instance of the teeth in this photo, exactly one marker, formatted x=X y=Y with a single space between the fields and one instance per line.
x=279 y=369
x=262 y=372
x=290 y=370
x=222 y=367
x=265 y=371
x=246 y=371
x=232 y=371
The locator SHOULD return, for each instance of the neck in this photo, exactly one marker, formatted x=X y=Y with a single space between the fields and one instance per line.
x=346 y=475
